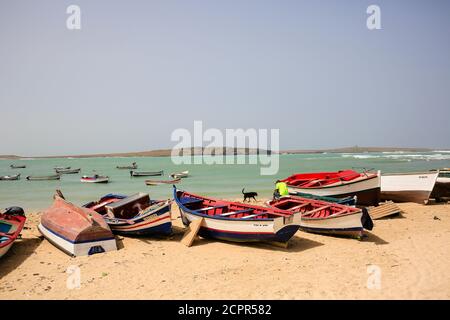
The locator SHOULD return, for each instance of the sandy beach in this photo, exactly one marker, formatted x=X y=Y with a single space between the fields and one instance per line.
x=412 y=253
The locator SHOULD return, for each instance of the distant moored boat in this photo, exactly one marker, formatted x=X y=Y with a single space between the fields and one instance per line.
x=146 y=173
x=159 y=182
x=182 y=174
x=9 y=178
x=21 y=166
x=132 y=167
x=42 y=178
x=68 y=171
x=95 y=179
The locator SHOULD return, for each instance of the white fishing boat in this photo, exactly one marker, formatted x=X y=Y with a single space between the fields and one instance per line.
x=408 y=187
x=182 y=174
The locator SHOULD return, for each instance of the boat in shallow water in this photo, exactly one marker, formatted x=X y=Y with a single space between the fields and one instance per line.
x=326 y=217
x=76 y=231
x=10 y=177
x=12 y=221
x=43 y=178
x=95 y=179
x=182 y=174
x=346 y=183
x=132 y=167
x=68 y=171
x=234 y=221
x=134 y=215
x=146 y=173
x=160 y=182
x=408 y=187
x=20 y=166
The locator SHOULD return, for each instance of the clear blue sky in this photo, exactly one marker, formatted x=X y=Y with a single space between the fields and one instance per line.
x=137 y=70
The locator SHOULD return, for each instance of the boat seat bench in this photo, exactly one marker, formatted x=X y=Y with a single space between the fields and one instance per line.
x=235 y=212
x=211 y=208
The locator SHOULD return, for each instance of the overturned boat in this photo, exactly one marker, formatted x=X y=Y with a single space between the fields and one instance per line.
x=319 y=216
x=134 y=215
x=76 y=231
x=234 y=221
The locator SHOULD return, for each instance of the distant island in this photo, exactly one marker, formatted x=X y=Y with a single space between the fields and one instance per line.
x=228 y=151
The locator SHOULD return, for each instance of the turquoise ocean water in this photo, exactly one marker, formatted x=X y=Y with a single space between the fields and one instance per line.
x=224 y=181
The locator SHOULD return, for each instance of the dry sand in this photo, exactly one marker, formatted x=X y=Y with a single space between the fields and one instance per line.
x=412 y=253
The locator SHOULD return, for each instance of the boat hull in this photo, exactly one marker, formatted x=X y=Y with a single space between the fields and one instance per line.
x=242 y=231
x=412 y=187
x=155 y=222
x=5 y=249
x=349 y=225
x=366 y=191
x=101 y=180
x=80 y=248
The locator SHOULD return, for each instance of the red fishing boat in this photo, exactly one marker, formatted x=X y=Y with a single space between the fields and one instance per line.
x=76 y=231
x=326 y=217
x=365 y=186
x=11 y=224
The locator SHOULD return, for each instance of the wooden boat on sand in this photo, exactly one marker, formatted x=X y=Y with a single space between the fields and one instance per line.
x=160 y=182
x=21 y=166
x=76 y=231
x=347 y=201
x=325 y=217
x=10 y=177
x=11 y=224
x=146 y=173
x=442 y=187
x=42 y=178
x=234 y=221
x=346 y=183
x=68 y=171
x=134 y=215
x=95 y=179
x=132 y=167
x=408 y=187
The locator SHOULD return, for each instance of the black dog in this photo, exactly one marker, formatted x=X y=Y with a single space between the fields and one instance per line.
x=249 y=195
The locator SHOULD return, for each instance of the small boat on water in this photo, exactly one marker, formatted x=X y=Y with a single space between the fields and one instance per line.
x=68 y=171
x=347 y=201
x=182 y=174
x=62 y=168
x=134 y=215
x=160 y=182
x=325 y=217
x=146 y=173
x=442 y=187
x=132 y=167
x=10 y=177
x=21 y=166
x=345 y=183
x=234 y=221
x=408 y=187
x=42 y=178
x=95 y=179
x=11 y=224
x=76 y=231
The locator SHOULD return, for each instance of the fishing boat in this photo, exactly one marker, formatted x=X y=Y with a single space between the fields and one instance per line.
x=347 y=201
x=132 y=167
x=10 y=177
x=134 y=215
x=146 y=173
x=68 y=171
x=13 y=166
x=160 y=182
x=41 y=178
x=62 y=168
x=11 y=224
x=408 y=187
x=182 y=174
x=442 y=187
x=319 y=216
x=346 y=183
x=234 y=221
x=76 y=231
x=95 y=179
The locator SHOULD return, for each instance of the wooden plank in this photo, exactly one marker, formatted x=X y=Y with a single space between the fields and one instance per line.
x=384 y=210
x=191 y=232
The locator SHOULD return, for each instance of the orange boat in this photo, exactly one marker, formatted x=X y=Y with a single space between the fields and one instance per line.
x=76 y=231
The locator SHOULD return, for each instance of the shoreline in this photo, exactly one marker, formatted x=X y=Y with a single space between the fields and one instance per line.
x=411 y=252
